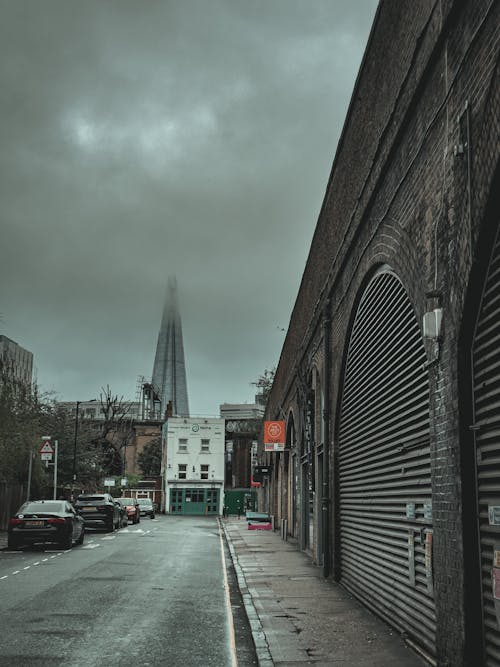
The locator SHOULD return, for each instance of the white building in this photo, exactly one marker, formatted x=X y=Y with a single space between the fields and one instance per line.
x=193 y=465
x=92 y=409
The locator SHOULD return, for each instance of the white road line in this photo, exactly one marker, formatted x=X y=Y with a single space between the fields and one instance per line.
x=4 y=577
x=230 y=618
x=45 y=560
x=27 y=567
x=37 y=563
x=91 y=546
x=16 y=572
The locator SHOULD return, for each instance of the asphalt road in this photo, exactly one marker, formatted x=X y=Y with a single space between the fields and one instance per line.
x=156 y=593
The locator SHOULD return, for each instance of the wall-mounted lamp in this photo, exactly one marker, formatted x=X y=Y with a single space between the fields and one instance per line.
x=432 y=323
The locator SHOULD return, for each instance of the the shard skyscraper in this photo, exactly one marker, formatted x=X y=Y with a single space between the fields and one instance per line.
x=169 y=370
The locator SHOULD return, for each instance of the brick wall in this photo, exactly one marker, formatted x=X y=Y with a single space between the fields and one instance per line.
x=423 y=126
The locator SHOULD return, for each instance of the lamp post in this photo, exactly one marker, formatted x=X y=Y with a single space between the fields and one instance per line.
x=78 y=403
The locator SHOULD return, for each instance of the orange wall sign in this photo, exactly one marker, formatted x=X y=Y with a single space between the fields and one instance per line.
x=274 y=436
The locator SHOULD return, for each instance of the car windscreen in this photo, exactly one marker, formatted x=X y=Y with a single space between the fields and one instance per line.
x=90 y=499
x=42 y=508
x=126 y=501
x=144 y=501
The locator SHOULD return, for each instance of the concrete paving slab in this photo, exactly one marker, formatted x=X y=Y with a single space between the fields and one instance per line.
x=299 y=618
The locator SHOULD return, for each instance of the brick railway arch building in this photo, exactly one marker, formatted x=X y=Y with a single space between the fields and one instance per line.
x=389 y=376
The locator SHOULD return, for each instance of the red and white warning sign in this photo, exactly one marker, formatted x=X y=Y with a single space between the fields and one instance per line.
x=46 y=447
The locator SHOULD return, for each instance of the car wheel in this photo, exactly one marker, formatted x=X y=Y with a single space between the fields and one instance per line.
x=152 y=516
x=12 y=543
x=81 y=538
x=67 y=542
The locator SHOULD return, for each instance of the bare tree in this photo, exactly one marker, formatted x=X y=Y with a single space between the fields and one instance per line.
x=116 y=430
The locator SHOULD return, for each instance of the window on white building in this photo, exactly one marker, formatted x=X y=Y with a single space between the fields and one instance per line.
x=181 y=470
x=183 y=444
x=204 y=468
x=205 y=445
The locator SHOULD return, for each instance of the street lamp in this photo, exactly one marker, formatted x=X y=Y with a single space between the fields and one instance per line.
x=78 y=403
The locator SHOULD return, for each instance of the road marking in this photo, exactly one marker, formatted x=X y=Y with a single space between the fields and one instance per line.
x=37 y=563
x=230 y=618
x=45 y=560
x=91 y=546
x=16 y=572
x=4 y=576
x=27 y=567
x=109 y=537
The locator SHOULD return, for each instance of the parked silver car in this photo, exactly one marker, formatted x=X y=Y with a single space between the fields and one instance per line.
x=147 y=507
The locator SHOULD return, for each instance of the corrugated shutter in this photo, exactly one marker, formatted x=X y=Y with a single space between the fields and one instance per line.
x=384 y=474
x=486 y=368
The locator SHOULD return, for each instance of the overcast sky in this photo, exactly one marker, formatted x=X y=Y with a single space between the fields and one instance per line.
x=140 y=139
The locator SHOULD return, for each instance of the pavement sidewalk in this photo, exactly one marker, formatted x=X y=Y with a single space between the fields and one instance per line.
x=299 y=618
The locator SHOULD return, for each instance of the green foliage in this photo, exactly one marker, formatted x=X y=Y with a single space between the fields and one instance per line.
x=150 y=457
x=21 y=414
x=264 y=384
x=26 y=416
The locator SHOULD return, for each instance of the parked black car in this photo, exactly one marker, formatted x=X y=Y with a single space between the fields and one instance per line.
x=146 y=507
x=42 y=521
x=99 y=510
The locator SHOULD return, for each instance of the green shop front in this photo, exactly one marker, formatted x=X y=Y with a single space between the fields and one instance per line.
x=200 y=501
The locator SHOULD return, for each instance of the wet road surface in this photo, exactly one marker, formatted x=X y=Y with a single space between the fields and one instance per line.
x=153 y=594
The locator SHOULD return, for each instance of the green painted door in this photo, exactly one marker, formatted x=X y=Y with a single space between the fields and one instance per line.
x=194 y=501
x=238 y=501
x=200 y=502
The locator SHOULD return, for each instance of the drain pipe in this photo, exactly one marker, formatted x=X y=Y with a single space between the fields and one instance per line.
x=325 y=508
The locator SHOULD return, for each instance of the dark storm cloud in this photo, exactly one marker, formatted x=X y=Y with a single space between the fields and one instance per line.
x=144 y=139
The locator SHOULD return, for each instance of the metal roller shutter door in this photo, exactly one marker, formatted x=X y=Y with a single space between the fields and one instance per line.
x=486 y=369
x=384 y=473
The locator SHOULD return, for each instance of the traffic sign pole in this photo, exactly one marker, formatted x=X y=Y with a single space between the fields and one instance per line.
x=28 y=490
x=55 y=469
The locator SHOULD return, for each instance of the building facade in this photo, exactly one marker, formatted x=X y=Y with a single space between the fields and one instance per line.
x=94 y=410
x=20 y=360
x=389 y=377
x=193 y=465
x=243 y=422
